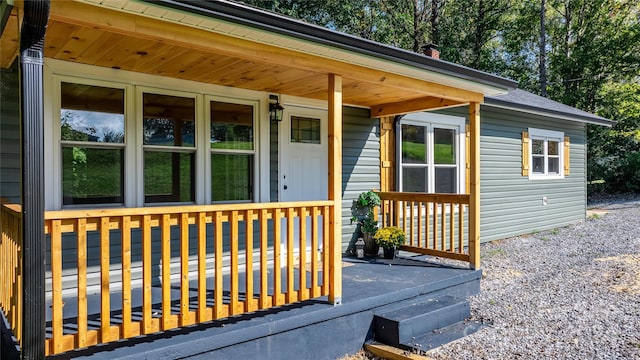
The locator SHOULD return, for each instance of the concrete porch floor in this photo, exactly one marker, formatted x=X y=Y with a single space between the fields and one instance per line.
x=312 y=329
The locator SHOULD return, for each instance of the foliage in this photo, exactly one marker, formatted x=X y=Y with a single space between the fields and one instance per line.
x=363 y=211
x=389 y=236
x=369 y=199
x=614 y=153
x=587 y=53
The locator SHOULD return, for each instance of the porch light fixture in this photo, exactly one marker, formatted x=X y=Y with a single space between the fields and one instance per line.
x=275 y=109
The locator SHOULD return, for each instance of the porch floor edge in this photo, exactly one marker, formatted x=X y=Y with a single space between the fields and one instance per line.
x=368 y=287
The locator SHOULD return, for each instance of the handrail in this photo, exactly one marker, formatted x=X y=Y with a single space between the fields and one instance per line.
x=435 y=224
x=11 y=268
x=192 y=286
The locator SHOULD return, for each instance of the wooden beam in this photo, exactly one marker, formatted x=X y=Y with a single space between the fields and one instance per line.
x=177 y=34
x=392 y=353
x=474 y=185
x=387 y=154
x=9 y=42
x=410 y=106
x=335 y=187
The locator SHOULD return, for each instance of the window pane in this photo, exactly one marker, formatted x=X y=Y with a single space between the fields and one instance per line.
x=537 y=147
x=414 y=179
x=444 y=146
x=231 y=126
x=92 y=176
x=168 y=120
x=91 y=113
x=168 y=176
x=231 y=177
x=305 y=130
x=538 y=164
x=414 y=144
x=446 y=179
x=554 y=165
x=552 y=147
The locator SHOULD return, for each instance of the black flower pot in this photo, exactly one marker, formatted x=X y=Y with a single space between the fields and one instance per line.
x=390 y=252
x=371 y=248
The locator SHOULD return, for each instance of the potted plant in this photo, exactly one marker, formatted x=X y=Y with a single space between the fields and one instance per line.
x=363 y=215
x=389 y=237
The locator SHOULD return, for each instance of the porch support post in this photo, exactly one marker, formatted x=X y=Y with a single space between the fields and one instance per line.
x=474 y=185
x=34 y=25
x=335 y=188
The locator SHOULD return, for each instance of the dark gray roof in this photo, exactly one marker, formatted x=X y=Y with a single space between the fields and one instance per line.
x=522 y=100
x=260 y=19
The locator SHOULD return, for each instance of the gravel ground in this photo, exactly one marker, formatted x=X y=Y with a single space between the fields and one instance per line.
x=567 y=293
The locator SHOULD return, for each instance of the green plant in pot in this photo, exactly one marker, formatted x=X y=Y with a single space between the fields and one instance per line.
x=389 y=237
x=363 y=215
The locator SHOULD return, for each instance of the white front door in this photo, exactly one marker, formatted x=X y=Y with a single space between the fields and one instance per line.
x=303 y=166
x=303 y=155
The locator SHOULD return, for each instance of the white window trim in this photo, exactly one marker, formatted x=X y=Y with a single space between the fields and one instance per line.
x=140 y=148
x=541 y=134
x=431 y=120
x=206 y=138
x=55 y=154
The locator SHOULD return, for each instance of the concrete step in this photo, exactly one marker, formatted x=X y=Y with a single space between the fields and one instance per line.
x=416 y=317
x=442 y=336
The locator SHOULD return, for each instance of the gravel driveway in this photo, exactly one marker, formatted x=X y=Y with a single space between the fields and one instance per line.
x=568 y=293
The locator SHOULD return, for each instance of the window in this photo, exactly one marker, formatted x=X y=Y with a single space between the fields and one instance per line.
x=431 y=146
x=169 y=148
x=121 y=144
x=305 y=130
x=92 y=133
x=232 y=151
x=546 y=154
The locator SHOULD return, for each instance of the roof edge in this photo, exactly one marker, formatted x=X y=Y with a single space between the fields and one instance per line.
x=276 y=23
x=593 y=119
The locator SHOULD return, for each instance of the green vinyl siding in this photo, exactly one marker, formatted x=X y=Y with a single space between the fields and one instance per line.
x=9 y=135
x=360 y=163
x=511 y=204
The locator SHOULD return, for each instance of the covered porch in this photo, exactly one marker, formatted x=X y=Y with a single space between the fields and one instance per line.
x=98 y=274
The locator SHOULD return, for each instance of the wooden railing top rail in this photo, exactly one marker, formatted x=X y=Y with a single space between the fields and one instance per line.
x=437 y=198
x=13 y=209
x=179 y=209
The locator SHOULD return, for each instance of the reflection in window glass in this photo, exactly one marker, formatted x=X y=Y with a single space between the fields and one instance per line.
x=92 y=173
x=414 y=144
x=553 y=147
x=414 y=179
x=444 y=148
x=538 y=147
x=231 y=126
x=445 y=178
x=168 y=120
x=231 y=177
x=538 y=164
x=168 y=176
x=554 y=166
x=92 y=176
x=91 y=113
x=305 y=130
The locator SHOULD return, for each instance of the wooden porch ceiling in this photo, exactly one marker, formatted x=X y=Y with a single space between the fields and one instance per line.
x=80 y=33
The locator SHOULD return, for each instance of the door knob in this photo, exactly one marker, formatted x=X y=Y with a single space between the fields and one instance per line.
x=285 y=187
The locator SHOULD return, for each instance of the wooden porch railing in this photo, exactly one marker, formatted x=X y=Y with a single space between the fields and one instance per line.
x=11 y=266
x=435 y=224
x=257 y=276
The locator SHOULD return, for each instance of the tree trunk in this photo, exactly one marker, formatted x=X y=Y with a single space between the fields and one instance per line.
x=543 y=51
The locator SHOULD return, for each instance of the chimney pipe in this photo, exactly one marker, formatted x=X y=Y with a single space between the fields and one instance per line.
x=431 y=50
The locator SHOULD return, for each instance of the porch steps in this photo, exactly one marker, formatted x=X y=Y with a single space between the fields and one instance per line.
x=423 y=323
